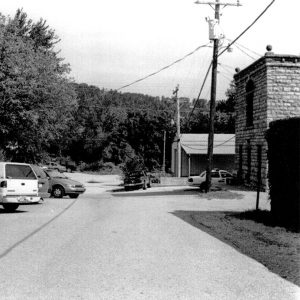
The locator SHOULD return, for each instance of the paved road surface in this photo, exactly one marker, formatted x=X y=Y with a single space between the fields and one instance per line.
x=125 y=246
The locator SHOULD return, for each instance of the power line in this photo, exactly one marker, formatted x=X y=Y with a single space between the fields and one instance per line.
x=244 y=52
x=164 y=68
x=246 y=48
x=226 y=77
x=228 y=72
x=201 y=89
x=243 y=32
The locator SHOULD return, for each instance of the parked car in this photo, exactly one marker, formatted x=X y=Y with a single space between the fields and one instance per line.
x=136 y=180
x=218 y=178
x=44 y=187
x=61 y=185
x=18 y=185
x=56 y=166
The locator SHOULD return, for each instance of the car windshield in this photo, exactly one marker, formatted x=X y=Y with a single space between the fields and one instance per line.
x=56 y=174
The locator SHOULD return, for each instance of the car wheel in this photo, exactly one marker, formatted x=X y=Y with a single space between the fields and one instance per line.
x=74 y=196
x=58 y=192
x=10 y=207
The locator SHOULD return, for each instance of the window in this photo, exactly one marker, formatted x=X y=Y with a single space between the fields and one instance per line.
x=39 y=172
x=225 y=175
x=249 y=102
x=19 y=172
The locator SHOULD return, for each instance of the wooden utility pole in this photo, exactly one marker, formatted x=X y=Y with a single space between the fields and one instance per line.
x=215 y=36
x=213 y=92
x=175 y=93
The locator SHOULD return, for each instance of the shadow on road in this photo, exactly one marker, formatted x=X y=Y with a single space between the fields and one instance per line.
x=5 y=212
x=147 y=193
x=11 y=248
x=273 y=246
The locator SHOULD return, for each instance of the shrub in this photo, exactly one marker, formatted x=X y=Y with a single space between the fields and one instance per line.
x=133 y=165
x=284 y=169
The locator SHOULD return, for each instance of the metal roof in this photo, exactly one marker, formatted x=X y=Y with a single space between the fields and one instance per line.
x=197 y=143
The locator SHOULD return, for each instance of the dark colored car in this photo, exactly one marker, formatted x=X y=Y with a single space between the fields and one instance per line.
x=136 y=180
x=61 y=185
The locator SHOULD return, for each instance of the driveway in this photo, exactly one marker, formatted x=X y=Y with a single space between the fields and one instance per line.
x=117 y=245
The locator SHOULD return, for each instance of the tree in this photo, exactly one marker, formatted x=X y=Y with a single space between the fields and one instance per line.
x=36 y=97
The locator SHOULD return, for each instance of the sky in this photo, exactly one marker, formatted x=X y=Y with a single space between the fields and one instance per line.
x=110 y=44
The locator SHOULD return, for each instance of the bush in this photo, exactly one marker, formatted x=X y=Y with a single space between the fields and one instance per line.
x=133 y=166
x=100 y=167
x=284 y=169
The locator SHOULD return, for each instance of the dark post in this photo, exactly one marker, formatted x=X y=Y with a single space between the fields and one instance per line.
x=164 y=155
x=258 y=175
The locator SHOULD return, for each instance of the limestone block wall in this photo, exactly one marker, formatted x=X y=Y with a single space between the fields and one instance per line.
x=283 y=82
x=248 y=138
x=276 y=96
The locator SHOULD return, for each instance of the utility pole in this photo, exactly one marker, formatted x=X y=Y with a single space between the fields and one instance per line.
x=175 y=93
x=215 y=36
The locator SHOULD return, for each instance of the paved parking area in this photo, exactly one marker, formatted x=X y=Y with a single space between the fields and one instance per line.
x=116 y=245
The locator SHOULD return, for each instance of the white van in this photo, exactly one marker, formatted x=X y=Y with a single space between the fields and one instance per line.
x=18 y=185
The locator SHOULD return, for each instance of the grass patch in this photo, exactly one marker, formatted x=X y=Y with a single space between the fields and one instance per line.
x=255 y=234
x=221 y=194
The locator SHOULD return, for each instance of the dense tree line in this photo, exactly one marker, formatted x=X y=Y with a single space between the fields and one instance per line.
x=44 y=114
x=110 y=126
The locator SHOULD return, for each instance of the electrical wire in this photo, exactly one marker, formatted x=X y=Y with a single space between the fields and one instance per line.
x=245 y=30
x=252 y=51
x=228 y=72
x=164 y=68
x=205 y=78
x=239 y=48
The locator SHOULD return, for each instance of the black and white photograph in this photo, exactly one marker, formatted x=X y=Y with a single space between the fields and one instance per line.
x=150 y=150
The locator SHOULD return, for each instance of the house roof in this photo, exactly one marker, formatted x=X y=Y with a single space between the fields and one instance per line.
x=198 y=143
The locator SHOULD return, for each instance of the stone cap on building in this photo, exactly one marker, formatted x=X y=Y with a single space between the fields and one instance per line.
x=269 y=59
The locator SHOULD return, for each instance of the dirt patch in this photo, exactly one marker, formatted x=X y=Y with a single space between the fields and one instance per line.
x=252 y=234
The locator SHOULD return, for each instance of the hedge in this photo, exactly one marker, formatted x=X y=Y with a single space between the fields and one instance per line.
x=283 y=137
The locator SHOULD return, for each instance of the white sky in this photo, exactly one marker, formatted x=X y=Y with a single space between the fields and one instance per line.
x=112 y=43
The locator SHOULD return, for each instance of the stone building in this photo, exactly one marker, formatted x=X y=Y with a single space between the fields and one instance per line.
x=267 y=90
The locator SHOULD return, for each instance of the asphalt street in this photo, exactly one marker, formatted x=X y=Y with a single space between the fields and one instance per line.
x=118 y=245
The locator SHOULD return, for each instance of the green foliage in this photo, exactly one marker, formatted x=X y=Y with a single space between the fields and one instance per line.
x=284 y=172
x=36 y=99
x=224 y=116
x=110 y=126
x=133 y=166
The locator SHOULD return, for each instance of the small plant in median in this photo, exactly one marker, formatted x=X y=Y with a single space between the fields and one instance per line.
x=133 y=173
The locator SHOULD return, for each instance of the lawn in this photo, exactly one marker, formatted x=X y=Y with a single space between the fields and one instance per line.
x=253 y=233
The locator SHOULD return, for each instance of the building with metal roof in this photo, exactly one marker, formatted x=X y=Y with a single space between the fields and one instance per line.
x=193 y=153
